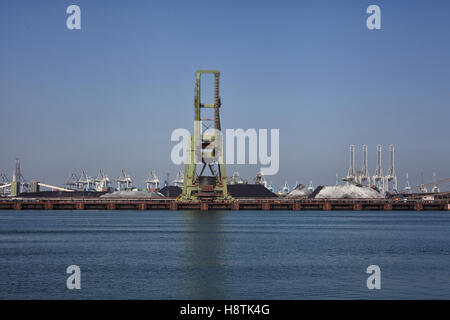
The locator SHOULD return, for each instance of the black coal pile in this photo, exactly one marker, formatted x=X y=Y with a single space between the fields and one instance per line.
x=171 y=191
x=235 y=190
x=250 y=191
x=62 y=194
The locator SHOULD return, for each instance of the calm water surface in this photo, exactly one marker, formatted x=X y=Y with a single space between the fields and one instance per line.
x=224 y=254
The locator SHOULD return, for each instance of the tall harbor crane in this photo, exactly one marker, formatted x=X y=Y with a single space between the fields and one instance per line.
x=124 y=181
x=407 y=184
x=166 y=181
x=391 y=176
x=4 y=183
x=311 y=186
x=363 y=175
x=356 y=177
x=18 y=183
x=378 y=178
x=351 y=174
x=235 y=178
x=102 y=181
x=73 y=182
x=260 y=179
x=85 y=182
x=152 y=181
x=435 y=186
x=205 y=148
x=285 y=189
x=178 y=182
x=423 y=186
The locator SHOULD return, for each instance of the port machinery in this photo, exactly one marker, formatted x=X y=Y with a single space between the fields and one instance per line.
x=102 y=181
x=378 y=178
x=235 y=178
x=73 y=182
x=4 y=183
x=385 y=183
x=391 y=176
x=205 y=148
x=285 y=189
x=86 y=183
x=358 y=177
x=179 y=180
x=260 y=179
x=18 y=183
x=435 y=186
x=124 y=181
x=351 y=174
x=380 y=181
x=407 y=184
x=363 y=176
x=152 y=181
x=423 y=187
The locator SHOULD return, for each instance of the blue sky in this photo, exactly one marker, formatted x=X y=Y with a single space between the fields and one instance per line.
x=109 y=95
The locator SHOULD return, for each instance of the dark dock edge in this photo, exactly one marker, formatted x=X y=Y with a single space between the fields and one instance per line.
x=238 y=204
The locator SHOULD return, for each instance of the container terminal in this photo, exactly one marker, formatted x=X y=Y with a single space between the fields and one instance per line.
x=204 y=184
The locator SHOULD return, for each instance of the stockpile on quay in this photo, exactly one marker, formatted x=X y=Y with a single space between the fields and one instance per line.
x=245 y=197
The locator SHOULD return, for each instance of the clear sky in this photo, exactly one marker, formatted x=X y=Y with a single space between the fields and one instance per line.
x=109 y=95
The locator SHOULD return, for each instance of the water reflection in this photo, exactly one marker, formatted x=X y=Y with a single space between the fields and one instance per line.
x=203 y=257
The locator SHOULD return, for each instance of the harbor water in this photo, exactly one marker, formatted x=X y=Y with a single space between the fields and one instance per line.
x=224 y=254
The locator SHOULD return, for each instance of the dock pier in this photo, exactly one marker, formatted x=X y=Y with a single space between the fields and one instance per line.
x=237 y=204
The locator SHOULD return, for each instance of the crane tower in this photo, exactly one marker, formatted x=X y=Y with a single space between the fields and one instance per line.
x=179 y=179
x=102 y=181
x=435 y=187
x=205 y=149
x=351 y=176
x=18 y=183
x=152 y=182
x=285 y=189
x=124 y=181
x=235 y=178
x=4 y=183
x=378 y=179
x=363 y=177
x=391 y=176
x=86 y=182
x=259 y=179
x=73 y=182
x=407 y=185
x=423 y=187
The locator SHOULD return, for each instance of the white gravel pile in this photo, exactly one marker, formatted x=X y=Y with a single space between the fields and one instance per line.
x=133 y=194
x=348 y=192
x=300 y=192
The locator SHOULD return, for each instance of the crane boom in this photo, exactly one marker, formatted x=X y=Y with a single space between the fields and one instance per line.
x=426 y=185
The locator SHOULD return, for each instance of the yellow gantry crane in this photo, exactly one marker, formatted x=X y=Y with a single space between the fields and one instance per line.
x=205 y=149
